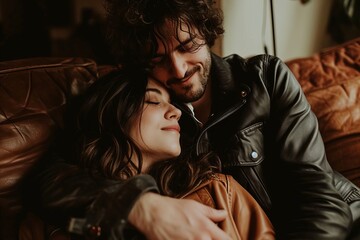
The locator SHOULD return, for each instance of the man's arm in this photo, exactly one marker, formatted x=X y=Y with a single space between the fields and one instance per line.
x=59 y=191
x=63 y=193
x=161 y=218
x=305 y=200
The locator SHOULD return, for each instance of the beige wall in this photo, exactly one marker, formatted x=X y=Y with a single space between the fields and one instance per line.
x=300 y=28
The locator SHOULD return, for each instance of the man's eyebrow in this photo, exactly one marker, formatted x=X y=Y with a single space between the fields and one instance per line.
x=181 y=44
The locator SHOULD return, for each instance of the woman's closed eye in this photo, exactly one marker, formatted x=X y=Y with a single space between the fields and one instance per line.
x=155 y=97
x=152 y=102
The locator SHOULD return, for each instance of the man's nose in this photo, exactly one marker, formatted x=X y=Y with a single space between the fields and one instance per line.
x=178 y=65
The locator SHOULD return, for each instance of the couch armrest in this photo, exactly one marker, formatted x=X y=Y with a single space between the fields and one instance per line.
x=33 y=96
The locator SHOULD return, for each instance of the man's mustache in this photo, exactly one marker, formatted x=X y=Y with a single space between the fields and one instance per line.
x=187 y=74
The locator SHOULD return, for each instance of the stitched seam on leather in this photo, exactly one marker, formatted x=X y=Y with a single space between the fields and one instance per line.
x=352 y=196
x=228 y=190
x=206 y=198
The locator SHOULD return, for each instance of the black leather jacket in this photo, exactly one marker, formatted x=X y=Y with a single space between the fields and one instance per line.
x=267 y=138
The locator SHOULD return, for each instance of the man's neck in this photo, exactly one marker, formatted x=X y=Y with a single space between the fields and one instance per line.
x=202 y=107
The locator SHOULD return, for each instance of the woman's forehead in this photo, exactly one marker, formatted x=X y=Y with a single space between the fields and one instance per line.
x=153 y=83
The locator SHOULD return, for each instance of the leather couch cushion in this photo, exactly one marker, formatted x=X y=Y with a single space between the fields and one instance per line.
x=331 y=82
x=33 y=94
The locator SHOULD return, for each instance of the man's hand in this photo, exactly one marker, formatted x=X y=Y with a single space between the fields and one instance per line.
x=162 y=218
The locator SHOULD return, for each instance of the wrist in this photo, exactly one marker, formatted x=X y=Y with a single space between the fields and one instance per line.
x=110 y=210
x=141 y=214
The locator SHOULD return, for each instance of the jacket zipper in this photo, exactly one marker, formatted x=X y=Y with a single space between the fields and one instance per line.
x=223 y=116
x=230 y=111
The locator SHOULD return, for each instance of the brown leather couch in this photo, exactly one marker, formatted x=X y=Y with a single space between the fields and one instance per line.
x=34 y=93
x=331 y=82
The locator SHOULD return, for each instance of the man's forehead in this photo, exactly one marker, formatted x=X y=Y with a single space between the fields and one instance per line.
x=179 y=30
x=173 y=33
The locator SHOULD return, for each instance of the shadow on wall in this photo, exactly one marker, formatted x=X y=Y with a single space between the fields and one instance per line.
x=24 y=32
x=40 y=28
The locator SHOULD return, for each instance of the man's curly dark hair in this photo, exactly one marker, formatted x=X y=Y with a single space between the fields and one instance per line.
x=133 y=25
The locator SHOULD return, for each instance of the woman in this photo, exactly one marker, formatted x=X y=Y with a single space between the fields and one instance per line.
x=127 y=126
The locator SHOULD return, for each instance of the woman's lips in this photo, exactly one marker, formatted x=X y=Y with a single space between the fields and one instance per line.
x=172 y=128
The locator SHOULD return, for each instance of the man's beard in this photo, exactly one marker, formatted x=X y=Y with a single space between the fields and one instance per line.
x=192 y=95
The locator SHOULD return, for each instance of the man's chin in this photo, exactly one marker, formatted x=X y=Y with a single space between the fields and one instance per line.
x=190 y=96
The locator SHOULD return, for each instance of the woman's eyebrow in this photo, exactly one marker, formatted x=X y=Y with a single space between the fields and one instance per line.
x=153 y=90
x=158 y=91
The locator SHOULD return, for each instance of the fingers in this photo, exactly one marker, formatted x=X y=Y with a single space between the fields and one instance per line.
x=216 y=233
x=204 y=221
x=216 y=215
x=213 y=230
x=193 y=219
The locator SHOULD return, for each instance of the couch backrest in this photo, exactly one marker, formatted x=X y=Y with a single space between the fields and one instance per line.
x=331 y=82
x=33 y=95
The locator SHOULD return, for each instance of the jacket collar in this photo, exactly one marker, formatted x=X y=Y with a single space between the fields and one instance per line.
x=221 y=75
x=227 y=84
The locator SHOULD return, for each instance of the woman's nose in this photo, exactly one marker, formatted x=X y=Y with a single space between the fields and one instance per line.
x=173 y=112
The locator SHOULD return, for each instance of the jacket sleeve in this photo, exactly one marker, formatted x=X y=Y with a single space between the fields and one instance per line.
x=305 y=202
x=68 y=196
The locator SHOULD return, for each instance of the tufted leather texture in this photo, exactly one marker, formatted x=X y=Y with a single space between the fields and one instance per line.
x=33 y=94
x=331 y=82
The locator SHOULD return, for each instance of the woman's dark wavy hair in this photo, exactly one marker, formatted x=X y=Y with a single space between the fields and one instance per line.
x=105 y=148
x=175 y=177
x=133 y=25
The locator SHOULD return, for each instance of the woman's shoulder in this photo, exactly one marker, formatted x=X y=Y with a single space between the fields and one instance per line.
x=223 y=179
x=215 y=181
x=210 y=190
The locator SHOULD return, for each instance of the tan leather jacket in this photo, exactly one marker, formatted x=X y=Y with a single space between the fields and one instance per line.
x=246 y=219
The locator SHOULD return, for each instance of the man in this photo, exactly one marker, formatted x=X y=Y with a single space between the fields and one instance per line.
x=250 y=112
